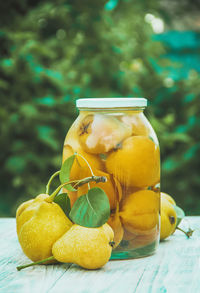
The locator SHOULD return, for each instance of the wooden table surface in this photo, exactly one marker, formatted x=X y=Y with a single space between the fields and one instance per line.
x=174 y=268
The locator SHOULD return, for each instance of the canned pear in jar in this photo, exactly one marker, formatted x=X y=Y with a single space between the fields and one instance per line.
x=115 y=138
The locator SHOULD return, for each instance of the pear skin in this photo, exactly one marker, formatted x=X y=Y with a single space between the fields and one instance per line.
x=167 y=197
x=168 y=218
x=89 y=248
x=39 y=225
x=115 y=223
x=29 y=207
x=140 y=212
x=136 y=163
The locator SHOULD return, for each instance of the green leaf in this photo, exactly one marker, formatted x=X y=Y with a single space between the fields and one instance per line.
x=65 y=172
x=91 y=209
x=179 y=213
x=66 y=168
x=63 y=201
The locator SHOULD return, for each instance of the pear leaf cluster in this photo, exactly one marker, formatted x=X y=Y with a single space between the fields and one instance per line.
x=90 y=210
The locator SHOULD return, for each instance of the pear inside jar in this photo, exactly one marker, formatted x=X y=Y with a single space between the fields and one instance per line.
x=123 y=147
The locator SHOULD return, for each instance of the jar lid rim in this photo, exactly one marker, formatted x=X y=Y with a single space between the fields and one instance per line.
x=111 y=102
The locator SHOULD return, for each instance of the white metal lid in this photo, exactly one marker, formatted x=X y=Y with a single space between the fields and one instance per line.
x=111 y=103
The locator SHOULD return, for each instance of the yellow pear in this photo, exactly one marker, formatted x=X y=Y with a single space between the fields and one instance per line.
x=168 y=216
x=90 y=248
x=136 y=163
x=39 y=225
x=139 y=212
x=115 y=223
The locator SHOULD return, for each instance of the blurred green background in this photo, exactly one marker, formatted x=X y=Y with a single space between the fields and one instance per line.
x=53 y=52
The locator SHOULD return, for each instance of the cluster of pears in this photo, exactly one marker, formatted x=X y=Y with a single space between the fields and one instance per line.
x=47 y=235
x=125 y=150
x=111 y=176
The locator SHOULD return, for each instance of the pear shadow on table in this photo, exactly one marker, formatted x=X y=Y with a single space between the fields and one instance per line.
x=77 y=267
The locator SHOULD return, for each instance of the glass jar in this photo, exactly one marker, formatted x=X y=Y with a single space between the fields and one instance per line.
x=117 y=140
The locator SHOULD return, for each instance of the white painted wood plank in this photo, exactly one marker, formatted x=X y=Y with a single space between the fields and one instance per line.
x=174 y=268
x=112 y=278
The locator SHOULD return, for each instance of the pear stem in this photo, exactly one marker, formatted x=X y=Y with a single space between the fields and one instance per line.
x=112 y=243
x=80 y=182
x=188 y=233
x=19 y=268
x=50 y=180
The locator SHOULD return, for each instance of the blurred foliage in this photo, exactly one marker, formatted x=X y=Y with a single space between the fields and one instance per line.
x=53 y=52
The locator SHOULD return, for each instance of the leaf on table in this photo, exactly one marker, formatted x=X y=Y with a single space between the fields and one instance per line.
x=91 y=209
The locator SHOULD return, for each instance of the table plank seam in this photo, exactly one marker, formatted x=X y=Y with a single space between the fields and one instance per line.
x=53 y=285
x=139 y=280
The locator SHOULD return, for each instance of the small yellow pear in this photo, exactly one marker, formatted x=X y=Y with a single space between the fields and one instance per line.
x=168 y=216
x=90 y=248
x=39 y=225
x=168 y=197
x=140 y=211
